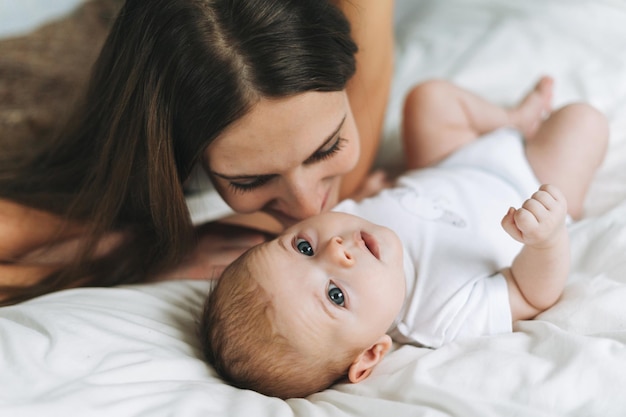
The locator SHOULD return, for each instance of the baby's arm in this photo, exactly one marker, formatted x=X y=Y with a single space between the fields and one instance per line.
x=539 y=272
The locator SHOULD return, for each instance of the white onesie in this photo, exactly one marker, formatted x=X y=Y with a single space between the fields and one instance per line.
x=448 y=218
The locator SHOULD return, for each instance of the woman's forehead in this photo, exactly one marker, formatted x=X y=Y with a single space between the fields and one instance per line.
x=277 y=131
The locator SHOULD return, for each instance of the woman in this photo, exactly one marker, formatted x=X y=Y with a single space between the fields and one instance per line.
x=253 y=90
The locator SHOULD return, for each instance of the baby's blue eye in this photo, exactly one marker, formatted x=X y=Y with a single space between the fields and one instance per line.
x=336 y=295
x=304 y=247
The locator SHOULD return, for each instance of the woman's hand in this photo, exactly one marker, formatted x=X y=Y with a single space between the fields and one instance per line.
x=373 y=184
x=218 y=245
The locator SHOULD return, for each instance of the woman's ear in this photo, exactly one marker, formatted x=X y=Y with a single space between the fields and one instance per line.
x=370 y=357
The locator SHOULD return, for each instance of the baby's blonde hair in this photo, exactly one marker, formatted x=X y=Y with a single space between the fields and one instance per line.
x=240 y=341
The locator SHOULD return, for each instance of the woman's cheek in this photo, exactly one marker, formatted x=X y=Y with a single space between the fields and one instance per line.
x=249 y=202
x=351 y=158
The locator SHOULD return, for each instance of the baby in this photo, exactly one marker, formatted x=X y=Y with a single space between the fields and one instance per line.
x=426 y=262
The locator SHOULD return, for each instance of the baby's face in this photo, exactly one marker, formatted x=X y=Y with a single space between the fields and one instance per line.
x=336 y=281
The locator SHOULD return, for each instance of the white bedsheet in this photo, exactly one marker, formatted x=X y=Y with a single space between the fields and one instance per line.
x=132 y=351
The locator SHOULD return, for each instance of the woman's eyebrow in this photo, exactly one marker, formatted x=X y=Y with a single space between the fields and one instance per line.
x=328 y=139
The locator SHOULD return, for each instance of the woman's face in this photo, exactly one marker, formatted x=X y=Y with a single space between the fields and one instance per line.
x=287 y=156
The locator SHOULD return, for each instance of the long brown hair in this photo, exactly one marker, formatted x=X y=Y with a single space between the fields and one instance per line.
x=171 y=76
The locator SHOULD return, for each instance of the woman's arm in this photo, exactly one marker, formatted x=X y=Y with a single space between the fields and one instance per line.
x=34 y=243
x=217 y=246
x=368 y=90
x=23 y=230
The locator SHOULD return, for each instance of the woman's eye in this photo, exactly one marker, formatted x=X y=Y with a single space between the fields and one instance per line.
x=336 y=295
x=251 y=184
x=327 y=151
x=304 y=247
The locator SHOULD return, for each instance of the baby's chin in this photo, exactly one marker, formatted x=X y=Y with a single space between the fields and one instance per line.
x=402 y=281
x=400 y=302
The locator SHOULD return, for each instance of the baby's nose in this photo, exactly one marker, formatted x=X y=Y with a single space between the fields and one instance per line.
x=339 y=252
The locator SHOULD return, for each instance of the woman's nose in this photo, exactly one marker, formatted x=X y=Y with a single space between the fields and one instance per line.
x=306 y=205
x=339 y=253
x=304 y=198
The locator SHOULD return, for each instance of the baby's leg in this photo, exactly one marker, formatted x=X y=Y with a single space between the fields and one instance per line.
x=440 y=117
x=567 y=149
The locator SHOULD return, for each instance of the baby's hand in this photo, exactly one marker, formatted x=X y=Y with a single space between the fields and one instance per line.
x=540 y=220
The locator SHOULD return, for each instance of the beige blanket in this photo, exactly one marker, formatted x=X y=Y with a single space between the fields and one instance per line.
x=42 y=73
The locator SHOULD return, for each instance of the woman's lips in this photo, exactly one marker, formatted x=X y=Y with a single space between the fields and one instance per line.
x=328 y=202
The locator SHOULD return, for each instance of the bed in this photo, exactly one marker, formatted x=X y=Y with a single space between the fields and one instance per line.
x=132 y=351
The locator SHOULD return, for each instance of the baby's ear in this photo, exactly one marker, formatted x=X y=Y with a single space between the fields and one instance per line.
x=370 y=357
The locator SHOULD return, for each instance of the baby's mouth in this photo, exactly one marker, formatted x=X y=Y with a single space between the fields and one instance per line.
x=371 y=244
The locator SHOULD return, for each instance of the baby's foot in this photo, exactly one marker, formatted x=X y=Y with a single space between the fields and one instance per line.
x=534 y=108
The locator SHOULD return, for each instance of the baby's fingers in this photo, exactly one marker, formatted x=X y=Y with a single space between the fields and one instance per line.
x=541 y=215
x=508 y=224
x=547 y=205
x=527 y=217
x=551 y=198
